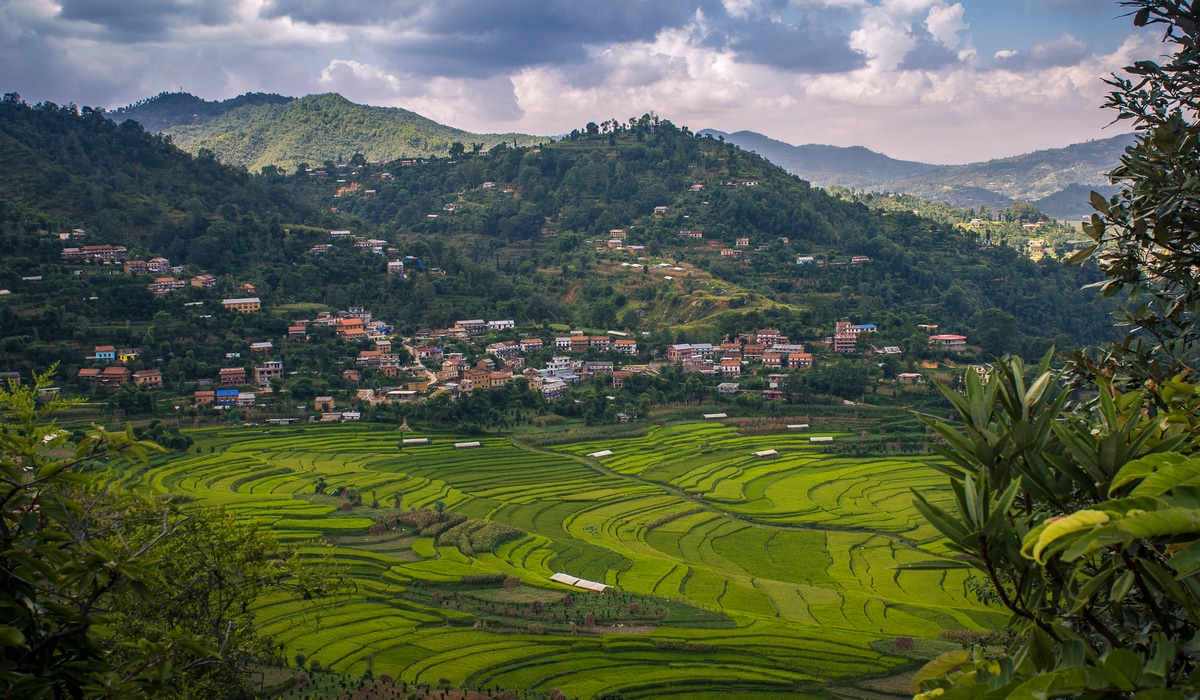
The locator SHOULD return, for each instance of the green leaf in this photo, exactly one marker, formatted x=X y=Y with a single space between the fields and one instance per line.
x=1098 y=202
x=939 y=667
x=11 y=636
x=1144 y=467
x=1123 y=668
x=1059 y=528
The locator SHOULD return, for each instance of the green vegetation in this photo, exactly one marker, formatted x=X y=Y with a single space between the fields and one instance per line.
x=1082 y=518
x=258 y=131
x=729 y=572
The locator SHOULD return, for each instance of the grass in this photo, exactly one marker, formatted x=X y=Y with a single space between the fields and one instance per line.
x=764 y=578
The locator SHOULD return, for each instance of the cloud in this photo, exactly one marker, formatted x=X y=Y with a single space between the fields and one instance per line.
x=928 y=53
x=147 y=19
x=801 y=44
x=1063 y=50
x=901 y=76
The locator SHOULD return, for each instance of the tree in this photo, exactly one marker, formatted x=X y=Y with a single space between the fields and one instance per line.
x=997 y=332
x=1146 y=236
x=1083 y=520
x=172 y=587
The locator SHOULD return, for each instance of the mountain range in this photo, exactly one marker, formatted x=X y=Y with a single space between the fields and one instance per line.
x=256 y=130
x=1057 y=180
x=259 y=129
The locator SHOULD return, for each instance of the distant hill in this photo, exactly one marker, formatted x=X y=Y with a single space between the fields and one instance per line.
x=257 y=129
x=1057 y=180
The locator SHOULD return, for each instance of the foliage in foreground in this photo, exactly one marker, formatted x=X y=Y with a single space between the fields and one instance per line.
x=117 y=594
x=1082 y=520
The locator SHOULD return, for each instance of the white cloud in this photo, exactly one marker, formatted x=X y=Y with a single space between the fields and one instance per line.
x=945 y=22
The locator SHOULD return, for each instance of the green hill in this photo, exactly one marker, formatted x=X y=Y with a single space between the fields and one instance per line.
x=522 y=233
x=256 y=130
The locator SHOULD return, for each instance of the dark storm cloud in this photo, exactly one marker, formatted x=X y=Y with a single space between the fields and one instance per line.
x=465 y=38
x=147 y=19
x=794 y=45
x=1064 y=50
x=928 y=54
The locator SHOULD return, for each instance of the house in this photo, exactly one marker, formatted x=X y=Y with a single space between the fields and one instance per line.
x=246 y=288
x=859 y=259
x=773 y=360
x=112 y=376
x=204 y=397
x=368 y=358
x=267 y=371
x=204 y=281
x=731 y=367
x=158 y=265
x=949 y=341
x=323 y=403
x=165 y=285
x=321 y=248
x=679 y=351
x=845 y=337
x=136 y=267
x=232 y=376
x=262 y=347
x=395 y=268
x=769 y=336
x=106 y=352
x=804 y=259
x=625 y=346
x=243 y=305
x=226 y=397
x=352 y=375
x=659 y=212
x=730 y=253
x=339 y=234
x=353 y=328
x=910 y=378
x=532 y=344
x=90 y=375
x=799 y=360
x=693 y=235
x=728 y=387
x=742 y=243
x=298 y=332
x=472 y=326
x=619 y=377
x=600 y=342
x=148 y=377
x=554 y=389
x=753 y=351
x=127 y=354
x=245 y=399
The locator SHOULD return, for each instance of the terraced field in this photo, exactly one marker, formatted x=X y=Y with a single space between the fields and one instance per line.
x=788 y=563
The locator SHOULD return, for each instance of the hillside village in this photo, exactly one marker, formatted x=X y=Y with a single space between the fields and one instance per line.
x=381 y=367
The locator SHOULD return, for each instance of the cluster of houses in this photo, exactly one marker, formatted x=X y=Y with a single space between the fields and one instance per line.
x=768 y=346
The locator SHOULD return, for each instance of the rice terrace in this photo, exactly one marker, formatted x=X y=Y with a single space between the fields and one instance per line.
x=727 y=571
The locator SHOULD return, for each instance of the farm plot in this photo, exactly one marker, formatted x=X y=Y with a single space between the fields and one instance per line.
x=766 y=577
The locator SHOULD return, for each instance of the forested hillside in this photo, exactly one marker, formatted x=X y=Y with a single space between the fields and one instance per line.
x=257 y=130
x=522 y=233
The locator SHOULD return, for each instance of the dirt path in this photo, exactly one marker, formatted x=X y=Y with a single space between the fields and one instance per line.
x=572 y=294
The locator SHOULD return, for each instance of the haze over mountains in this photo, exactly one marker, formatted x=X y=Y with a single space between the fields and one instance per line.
x=1057 y=180
x=258 y=129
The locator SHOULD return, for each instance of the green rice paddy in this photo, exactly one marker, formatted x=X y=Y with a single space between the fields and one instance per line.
x=787 y=563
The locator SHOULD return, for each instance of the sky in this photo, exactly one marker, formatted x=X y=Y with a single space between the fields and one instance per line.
x=930 y=80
